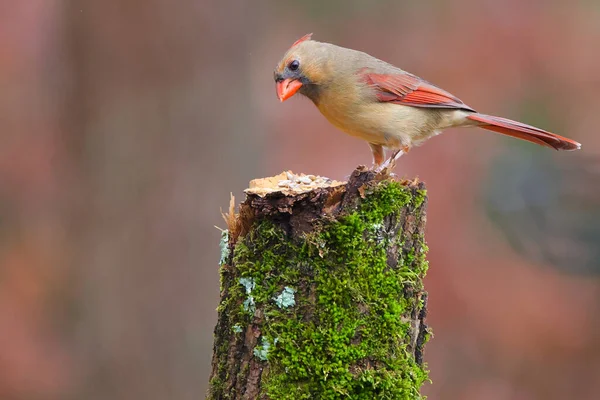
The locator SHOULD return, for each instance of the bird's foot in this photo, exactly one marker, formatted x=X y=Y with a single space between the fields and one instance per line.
x=386 y=170
x=389 y=164
x=384 y=167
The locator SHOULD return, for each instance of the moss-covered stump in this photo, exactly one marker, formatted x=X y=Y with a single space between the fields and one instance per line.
x=321 y=291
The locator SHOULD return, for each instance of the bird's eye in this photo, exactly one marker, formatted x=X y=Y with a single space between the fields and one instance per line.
x=294 y=65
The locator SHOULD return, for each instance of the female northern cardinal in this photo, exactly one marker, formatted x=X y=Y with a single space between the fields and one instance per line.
x=382 y=104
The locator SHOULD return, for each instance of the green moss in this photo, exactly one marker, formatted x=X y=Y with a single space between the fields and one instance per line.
x=215 y=386
x=383 y=200
x=419 y=198
x=354 y=345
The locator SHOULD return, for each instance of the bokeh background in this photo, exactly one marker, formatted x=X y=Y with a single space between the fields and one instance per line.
x=125 y=125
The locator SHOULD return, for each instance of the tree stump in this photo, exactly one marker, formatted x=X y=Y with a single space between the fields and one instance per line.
x=322 y=291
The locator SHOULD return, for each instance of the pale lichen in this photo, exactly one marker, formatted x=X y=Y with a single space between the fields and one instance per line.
x=262 y=352
x=224 y=246
x=249 y=284
x=286 y=298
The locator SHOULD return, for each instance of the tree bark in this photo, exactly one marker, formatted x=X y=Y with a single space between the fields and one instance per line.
x=321 y=291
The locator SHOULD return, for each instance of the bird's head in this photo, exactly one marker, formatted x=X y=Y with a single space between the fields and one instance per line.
x=302 y=69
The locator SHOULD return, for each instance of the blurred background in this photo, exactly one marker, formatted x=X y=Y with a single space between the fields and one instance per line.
x=125 y=125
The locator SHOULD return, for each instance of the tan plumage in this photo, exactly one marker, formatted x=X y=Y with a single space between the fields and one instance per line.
x=382 y=104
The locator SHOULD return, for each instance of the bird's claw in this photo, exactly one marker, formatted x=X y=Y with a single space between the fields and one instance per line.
x=388 y=165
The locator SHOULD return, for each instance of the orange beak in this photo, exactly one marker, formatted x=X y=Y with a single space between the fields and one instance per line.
x=287 y=88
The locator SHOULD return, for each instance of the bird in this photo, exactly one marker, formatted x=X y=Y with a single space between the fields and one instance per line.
x=384 y=105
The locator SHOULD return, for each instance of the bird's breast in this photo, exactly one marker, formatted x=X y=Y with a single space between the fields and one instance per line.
x=368 y=120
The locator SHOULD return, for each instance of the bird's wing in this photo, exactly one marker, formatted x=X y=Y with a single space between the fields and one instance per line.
x=410 y=90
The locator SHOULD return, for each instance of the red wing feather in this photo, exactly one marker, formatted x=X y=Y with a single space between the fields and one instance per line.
x=409 y=90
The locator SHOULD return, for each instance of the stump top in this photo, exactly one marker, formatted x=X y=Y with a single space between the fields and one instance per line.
x=289 y=184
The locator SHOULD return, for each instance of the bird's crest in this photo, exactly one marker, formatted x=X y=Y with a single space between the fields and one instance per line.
x=302 y=39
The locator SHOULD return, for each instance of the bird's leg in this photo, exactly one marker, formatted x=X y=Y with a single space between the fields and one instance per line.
x=378 y=154
x=391 y=162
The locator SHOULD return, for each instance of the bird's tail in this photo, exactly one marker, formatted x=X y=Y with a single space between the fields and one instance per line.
x=523 y=131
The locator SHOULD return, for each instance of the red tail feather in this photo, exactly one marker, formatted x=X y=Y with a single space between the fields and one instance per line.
x=525 y=132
